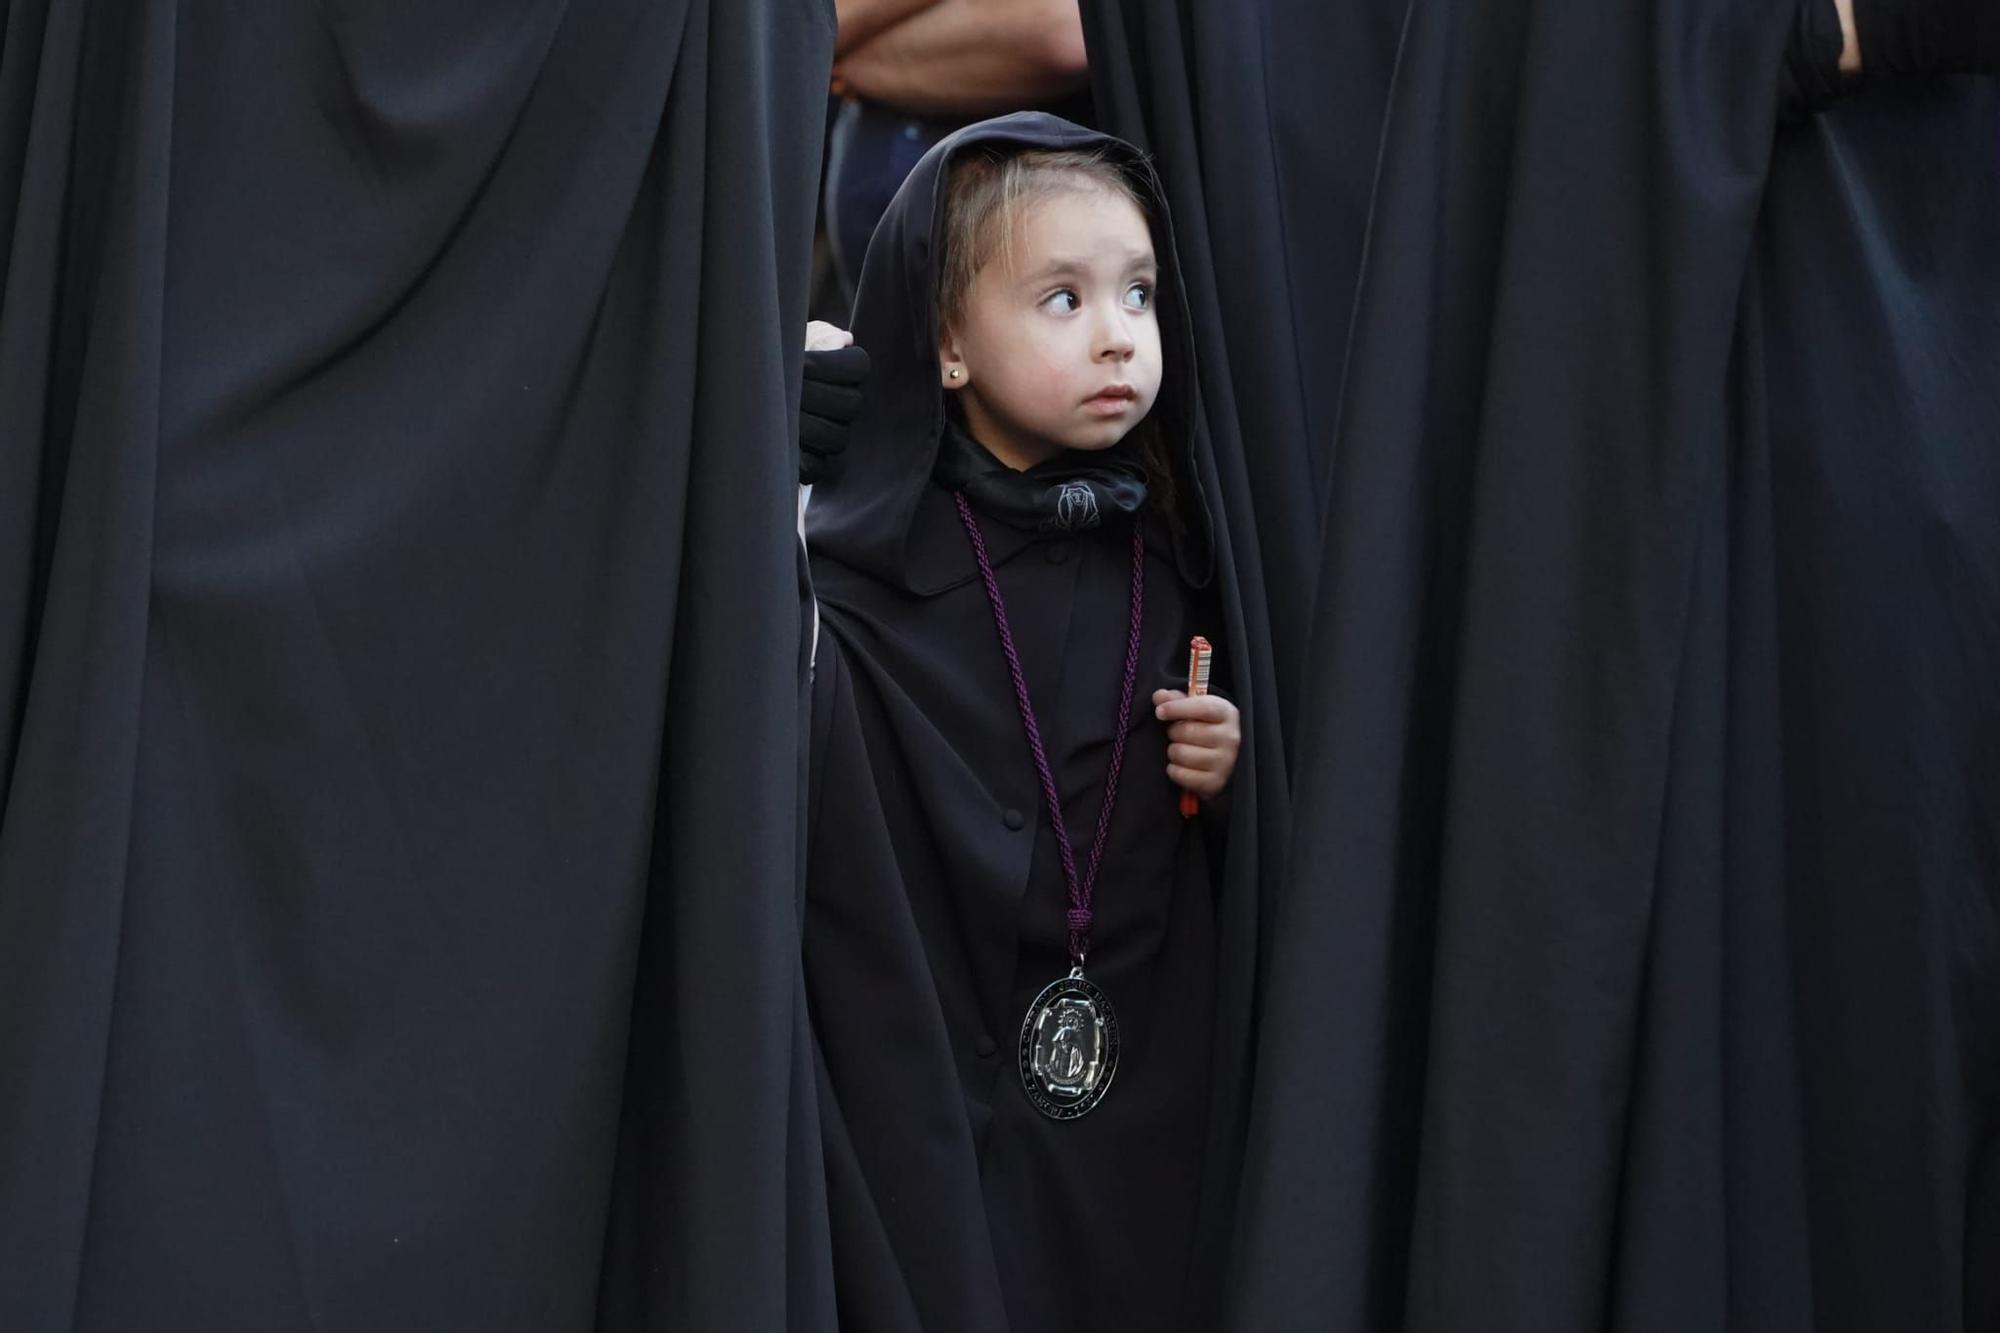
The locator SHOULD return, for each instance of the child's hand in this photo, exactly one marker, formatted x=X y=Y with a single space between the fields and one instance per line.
x=1203 y=735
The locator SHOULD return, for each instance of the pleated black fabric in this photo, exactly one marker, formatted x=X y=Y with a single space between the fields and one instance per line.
x=399 y=660
x=1921 y=37
x=1263 y=117
x=1879 y=286
x=1639 y=962
x=1638 y=958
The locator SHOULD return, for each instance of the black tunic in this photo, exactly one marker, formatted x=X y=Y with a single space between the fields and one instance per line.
x=1639 y=964
x=396 y=929
x=935 y=913
x=935 y=899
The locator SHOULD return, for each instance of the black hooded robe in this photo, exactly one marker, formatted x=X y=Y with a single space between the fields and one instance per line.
x=1638 y=965
x=935 y=899
x=399 y=666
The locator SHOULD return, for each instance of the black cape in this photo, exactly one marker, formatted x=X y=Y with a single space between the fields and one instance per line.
x=1639 y=961
x=935 y=902
x=399 y=666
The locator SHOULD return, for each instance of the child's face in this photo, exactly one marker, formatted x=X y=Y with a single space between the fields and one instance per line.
x=1059 y=347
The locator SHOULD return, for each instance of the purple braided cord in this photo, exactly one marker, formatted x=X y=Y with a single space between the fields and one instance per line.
x=1080 y=889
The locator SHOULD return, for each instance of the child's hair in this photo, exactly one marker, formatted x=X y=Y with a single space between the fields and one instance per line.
x=985 y=196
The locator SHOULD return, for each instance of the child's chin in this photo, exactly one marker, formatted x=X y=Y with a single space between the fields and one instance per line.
x=1096 y=441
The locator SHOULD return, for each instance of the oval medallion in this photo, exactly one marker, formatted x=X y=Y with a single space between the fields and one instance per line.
x=1069 y=1048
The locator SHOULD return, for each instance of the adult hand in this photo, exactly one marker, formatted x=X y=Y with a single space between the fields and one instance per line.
x=829 y=400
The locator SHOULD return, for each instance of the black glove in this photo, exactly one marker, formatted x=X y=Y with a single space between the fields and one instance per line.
x=1928 y=36
x=828 y=404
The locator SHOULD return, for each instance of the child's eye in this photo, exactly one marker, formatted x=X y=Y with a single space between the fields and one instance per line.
x=1063 y=299
x=1139 y=296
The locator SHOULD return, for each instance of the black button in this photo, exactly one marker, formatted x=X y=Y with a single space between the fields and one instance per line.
x=1012 y=819
x=984 y=1048
x=1056 y=552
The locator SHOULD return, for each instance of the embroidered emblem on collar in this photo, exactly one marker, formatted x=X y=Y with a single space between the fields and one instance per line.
x=1076 y=507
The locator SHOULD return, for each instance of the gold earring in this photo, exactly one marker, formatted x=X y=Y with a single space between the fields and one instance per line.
x=956 y=373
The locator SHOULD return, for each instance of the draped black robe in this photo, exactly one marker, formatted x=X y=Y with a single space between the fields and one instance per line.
x=1264 y=120
x=1638 y=965
x=399 y=666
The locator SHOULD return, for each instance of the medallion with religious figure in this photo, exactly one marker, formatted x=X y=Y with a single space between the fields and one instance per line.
x=1069 y=1047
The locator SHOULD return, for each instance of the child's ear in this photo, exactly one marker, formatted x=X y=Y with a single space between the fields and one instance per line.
x=951 y=363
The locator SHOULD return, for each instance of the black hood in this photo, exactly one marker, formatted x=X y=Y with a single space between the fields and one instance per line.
x=873 y=517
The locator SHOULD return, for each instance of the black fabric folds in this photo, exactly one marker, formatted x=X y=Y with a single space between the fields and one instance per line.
x=1264 y=119
x=1692 y=816
x=1638 y=964
x=1917 y=37
x=1811 y=76
x=398 y=623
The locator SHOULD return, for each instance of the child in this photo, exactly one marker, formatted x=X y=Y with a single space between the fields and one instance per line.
x=1016 y=1036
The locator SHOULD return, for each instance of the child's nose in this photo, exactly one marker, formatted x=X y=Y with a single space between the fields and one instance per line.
x=1115 y=342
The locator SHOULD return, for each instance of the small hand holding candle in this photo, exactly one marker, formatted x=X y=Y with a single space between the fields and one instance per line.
x=1204 y=734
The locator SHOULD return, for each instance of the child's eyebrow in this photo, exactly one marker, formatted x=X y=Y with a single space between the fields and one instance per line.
x=1059 y=268
x=1069 y=267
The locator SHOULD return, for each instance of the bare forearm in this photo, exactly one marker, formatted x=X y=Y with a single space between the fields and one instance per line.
x=1850 y=49
x=971 y=57
x=861 y=21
